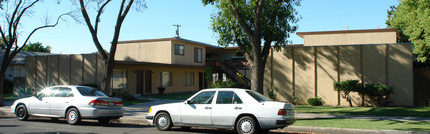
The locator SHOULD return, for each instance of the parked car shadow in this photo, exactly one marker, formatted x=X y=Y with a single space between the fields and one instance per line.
x=86 y=122
x=220 y=131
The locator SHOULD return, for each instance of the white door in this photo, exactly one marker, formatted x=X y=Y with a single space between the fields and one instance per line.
x=60 y=101
x=198 y=109
x=227 y=106
x=40 y=105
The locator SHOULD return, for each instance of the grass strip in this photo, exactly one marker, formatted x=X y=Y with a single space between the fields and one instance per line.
x=365 y=124
x=376 y=111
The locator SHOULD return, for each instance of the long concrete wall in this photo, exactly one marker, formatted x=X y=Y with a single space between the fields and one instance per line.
x=311 y=71
x=43 y=71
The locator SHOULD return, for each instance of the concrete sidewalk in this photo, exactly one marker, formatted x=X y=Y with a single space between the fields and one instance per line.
x=135 y=114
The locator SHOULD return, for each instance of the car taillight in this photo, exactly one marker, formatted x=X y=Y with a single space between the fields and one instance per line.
x=118 y=103
x=282 y=112
x=98 y=103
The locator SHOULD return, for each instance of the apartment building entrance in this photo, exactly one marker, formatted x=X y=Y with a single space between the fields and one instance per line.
x=143 y=82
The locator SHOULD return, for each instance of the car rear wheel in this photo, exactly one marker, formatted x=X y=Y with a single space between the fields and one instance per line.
x=104 y=121
x=163 y=121
x=21 y=113
x=246 y=125
x=73 y=117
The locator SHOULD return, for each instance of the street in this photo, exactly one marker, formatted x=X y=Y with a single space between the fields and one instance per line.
x=10 y=124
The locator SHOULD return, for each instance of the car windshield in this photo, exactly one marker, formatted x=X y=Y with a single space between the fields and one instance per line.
x=88 y=91
x=258 y=96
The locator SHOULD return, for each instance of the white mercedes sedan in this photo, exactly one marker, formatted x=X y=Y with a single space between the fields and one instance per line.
x=244 y=110
x=70 y=102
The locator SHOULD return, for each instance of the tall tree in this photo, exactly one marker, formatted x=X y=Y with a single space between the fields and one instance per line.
x=12 y=14
x=254 y=25
x=107 y=57
x=411 y=18
x=37 y=47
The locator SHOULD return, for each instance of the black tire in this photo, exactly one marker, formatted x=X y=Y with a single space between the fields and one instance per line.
x=104 y=121
x=21 y=112
x=163 y=122
x=73 y=116
x=246 y=125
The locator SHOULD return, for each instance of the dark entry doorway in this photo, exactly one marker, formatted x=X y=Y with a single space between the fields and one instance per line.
x=139 y=81
x=148 y=81
x=201 y=81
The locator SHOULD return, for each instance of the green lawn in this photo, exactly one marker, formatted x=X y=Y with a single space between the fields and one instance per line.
x=365 y=124
x=178 y=96
x=377 y=111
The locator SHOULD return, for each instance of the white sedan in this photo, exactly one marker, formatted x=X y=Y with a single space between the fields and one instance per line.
x=71 y=102
x=244 y=110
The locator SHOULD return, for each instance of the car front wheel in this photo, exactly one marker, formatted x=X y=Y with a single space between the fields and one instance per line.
x=21 y=113
x=246 y=125
x=163 y=121
x=73 y=117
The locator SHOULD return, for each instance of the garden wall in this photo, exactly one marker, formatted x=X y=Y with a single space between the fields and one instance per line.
x=309 y=71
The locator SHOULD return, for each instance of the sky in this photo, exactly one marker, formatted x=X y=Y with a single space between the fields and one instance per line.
x=157 y=20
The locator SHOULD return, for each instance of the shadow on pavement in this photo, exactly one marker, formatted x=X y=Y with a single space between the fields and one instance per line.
x=221 y=131
x=86 y=122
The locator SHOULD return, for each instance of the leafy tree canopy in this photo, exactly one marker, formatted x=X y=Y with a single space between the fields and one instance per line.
x=37 y=47
x=278 y=19
x=412 y=19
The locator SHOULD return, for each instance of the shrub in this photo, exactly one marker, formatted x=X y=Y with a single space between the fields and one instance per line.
x=228 y=83
x=317 y=101
x=296 y=99
x=161 y=90
x=378 y=94
x=346 y=87
x=271 y=93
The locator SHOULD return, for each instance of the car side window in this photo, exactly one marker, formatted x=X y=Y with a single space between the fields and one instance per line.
x=203 y=98
x=64 y=92
x=228 y=97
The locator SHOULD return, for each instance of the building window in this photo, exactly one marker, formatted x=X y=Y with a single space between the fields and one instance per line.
x=189 y=79
x=179 y=49
x=198 y=55
x=165 y=79
x=119 y=78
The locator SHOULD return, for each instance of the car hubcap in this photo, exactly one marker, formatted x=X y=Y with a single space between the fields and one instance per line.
x=72 y=116
x=163 y=121
x=20 y=112
x=246 y=126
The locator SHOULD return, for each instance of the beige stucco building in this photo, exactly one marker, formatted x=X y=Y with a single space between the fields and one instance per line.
x=178 y=65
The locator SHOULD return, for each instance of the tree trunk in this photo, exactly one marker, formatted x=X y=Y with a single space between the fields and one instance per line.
x=106 y=85
x=1 y=87
x=257 y=77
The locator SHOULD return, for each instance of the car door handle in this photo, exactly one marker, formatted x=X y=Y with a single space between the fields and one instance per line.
x=237 y=107
x=208 y=107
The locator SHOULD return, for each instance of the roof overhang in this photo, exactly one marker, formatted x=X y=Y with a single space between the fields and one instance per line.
x=301 y=34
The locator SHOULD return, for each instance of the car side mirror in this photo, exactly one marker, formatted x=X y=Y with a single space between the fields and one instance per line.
x=40 y=96
x=188 y=102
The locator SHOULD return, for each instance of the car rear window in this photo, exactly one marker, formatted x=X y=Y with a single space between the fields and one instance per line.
x=258 y=96
x=88 y=91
